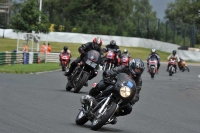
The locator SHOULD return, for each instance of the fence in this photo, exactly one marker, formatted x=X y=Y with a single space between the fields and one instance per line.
x=27 y=58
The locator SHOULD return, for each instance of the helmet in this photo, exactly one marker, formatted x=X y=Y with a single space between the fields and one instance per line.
x=125 y=51
x=174 y=52
x=65 y=48
x=112 y=42
x=136 y=66
x=153 y=51
x=97 y=42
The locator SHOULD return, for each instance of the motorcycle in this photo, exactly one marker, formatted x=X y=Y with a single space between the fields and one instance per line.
x=65 y=59
x=109 y=60
x=101 y=110
x=83 y=71
x=171 y=67
x=182 y=66
x=153 y=67
x=125 y=60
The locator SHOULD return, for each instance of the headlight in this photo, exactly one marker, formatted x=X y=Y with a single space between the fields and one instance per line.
x=125 y=91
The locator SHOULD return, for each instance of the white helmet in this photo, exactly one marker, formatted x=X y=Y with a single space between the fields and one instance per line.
x=125 y=51
x=153 y=51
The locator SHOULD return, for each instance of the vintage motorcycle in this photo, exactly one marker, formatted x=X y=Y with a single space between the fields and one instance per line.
x=109 y=59
x=65 y=59
x=125 y=60
x=100 y=111
x=83 y=71
x=171 y=67
x=182 y=66
x=153 y=68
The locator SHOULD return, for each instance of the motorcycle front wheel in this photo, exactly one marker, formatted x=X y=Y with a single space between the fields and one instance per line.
x=100 y=120
x=81 y=119
x=81 y=82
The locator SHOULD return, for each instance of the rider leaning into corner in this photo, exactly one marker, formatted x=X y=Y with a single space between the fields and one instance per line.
x=153 y=55
x=94 y=45
x=65 y=50
x=175 y=57
x=134 y=70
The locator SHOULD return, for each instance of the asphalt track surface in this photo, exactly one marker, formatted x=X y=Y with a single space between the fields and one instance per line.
x=38 y=103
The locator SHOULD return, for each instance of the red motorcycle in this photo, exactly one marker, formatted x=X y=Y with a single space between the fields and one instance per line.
x=110 y=59
x=153 y=68
x=172 y=64
x=65 y=59
x=125 y=60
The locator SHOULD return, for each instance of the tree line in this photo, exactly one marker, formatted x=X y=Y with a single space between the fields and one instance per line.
x=131 y=18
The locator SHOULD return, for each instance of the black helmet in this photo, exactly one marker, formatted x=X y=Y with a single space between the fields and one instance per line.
x=136 y=66
x=174 y=52
x=125 y=51
x=65 y=48
x=112 y=42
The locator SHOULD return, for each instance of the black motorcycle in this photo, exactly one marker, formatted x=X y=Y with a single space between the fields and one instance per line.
x=100 y=111
x=83 y=71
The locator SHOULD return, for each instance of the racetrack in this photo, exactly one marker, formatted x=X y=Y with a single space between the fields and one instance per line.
x=38 y=103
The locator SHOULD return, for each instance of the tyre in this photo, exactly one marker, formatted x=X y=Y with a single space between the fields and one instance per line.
x=186 y=68
x=81 y=119
x=68 y=88
x=81 y=82
x=99 y=122
x=152 y=75
x=63 y=67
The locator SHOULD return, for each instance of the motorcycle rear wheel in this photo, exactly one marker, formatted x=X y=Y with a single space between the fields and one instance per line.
x=97 y=123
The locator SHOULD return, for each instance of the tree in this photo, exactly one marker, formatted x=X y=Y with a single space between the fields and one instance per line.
x=27 y=19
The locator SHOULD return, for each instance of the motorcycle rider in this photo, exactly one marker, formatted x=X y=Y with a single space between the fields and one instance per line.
x=134 y=70
x=155 y=55
x=114 y=46
x=65 y=50
x=96 y=45
x=175 y=57
x=125 y=53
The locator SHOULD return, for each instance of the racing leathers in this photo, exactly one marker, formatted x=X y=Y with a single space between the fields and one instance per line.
x=83 y=50
x=125 y=110
x=153 y=56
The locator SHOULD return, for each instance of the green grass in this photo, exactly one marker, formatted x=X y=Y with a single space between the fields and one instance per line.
x=29 y=68
x=11 y=44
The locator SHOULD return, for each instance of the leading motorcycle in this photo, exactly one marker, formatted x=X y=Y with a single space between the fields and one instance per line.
x=100 y=111
x=83 y=71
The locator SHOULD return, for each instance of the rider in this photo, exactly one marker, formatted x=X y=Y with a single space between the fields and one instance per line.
x=65 y=50
x=125 y=53
x=114 y=46
x=173 y=56
x=134 y=70
x=153 y=54
x=96 y=45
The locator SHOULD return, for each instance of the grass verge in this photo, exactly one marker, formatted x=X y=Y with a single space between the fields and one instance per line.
x=29 y=68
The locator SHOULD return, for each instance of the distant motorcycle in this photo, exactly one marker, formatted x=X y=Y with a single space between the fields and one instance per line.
x=109 y=59
x=83 y=71
x=100 y=110
x=65 y=59
x=153 y=69
x=171 y=67
x=182 y=66
x=125 y=60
